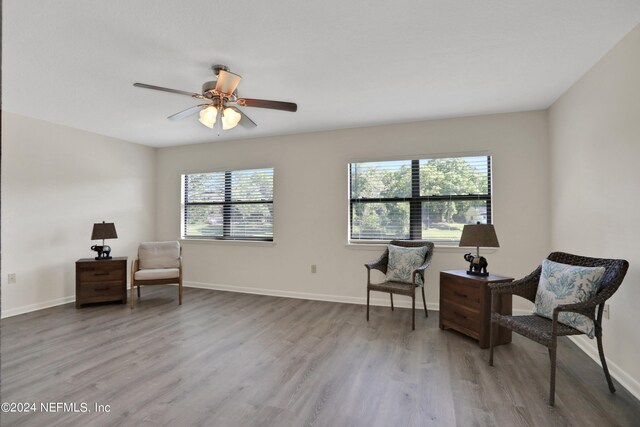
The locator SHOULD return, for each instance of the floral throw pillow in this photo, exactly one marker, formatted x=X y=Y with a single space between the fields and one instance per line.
x=567 y=284
x=402 y=262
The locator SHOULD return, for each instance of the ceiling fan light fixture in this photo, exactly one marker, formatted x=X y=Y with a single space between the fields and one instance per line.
x=230 y=118
x=208 y=116
x=216 y=94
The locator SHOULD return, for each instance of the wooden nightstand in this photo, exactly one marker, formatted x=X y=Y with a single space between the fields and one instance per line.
x=465 y=305
x=101 y=280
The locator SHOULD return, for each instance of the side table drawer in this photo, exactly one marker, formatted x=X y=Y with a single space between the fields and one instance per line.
x=101 y=289
x=461 y=315
x=462 y=293
x=101 y=274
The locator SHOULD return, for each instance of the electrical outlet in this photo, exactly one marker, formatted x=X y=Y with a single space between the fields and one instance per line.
x=606 y=312
x=11 y=278
x=313 y=268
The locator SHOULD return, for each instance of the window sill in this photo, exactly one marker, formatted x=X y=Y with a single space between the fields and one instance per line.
x=438 y=248
x=229 y=242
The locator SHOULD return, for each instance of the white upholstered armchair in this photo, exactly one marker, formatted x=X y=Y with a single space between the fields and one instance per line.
x=158 y=263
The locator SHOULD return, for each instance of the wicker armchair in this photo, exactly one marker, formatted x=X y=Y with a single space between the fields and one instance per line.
x=408 y=289
x=546 y=331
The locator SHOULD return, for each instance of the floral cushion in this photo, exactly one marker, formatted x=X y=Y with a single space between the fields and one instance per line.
x=402 y=262
x=567 y=284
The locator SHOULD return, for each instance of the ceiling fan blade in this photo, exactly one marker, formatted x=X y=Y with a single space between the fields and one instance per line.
x=245 y=121
x=166 y=89
x=264 y=103
x=188 y=112
x=227 y=82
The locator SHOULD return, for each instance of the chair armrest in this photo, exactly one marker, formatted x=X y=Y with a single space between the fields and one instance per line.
x=525 y=287
x=587 y=308
x=379 y=264
x=420 y=270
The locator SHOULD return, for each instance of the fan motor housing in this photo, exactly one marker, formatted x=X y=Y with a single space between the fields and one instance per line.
x=210 y=86
x=207 y=86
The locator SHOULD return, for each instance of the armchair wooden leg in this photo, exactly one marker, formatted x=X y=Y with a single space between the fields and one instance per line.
x=180 y=293
x=132 y=294
x=612 y=389
x=138 y=291
x=391 y=295
x=552 y=381
x=492 y=334
x=413 y=312
x=424 y=302
x=492 y=328
x=368 y=304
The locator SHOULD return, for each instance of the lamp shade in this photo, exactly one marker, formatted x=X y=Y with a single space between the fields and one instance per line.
x=208 y=116
x=104 y=230
x=479 y=235
x=230 y=118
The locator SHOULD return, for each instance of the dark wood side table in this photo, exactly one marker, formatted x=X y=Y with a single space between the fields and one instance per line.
x=101 y=280
x=465 y=305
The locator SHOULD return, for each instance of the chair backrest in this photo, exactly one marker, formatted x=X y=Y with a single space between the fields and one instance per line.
x=413 y=244
x=159 y=255
x=615 y=269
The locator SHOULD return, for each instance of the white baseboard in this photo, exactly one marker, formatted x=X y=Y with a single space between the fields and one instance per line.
x=38 y=306
x=398 y=301
x=616 y=371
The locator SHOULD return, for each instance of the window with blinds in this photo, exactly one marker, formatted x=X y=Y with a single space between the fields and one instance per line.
x=230 y=205
x=425 y=199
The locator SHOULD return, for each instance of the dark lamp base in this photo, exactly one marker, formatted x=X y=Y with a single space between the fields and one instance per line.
x=477 y=273
x=99 y=258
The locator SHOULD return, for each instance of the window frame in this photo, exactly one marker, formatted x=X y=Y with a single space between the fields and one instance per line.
x=227 y=206
x=416 y=200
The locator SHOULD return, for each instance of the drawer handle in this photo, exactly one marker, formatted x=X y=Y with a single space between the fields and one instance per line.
x=459 y=315
x=459 y=294
x=106 y=273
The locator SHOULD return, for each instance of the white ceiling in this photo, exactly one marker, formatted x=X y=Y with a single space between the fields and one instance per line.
x=346 y=63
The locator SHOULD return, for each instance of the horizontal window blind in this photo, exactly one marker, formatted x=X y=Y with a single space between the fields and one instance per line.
x=232 y=205
x=430 y=199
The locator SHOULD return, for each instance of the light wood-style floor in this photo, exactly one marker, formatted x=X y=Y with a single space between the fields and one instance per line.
x=227 y=359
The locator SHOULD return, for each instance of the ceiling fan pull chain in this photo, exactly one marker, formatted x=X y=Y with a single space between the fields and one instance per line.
x=219 y=118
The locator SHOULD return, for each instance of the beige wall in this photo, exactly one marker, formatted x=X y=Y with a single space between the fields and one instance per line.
x=311 y=209
x=56 y=182
x=594 y=130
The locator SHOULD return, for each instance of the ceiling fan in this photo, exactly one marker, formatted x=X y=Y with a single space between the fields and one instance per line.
x=221 y=96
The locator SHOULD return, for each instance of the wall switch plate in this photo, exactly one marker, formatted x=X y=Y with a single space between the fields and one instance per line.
x=313 y=268
x=605 y=312
x=11 y=278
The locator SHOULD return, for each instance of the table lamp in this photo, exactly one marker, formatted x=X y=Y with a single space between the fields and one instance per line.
x=478 y=235
x=102 y=231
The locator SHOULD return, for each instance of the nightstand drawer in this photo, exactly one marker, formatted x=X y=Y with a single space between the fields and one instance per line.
x=462 y=293
x=101 y=289
x=101 y=274
x=461 y=315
